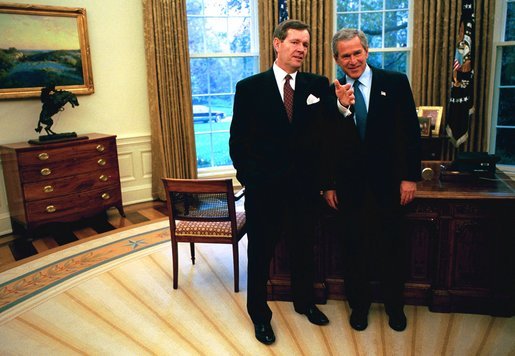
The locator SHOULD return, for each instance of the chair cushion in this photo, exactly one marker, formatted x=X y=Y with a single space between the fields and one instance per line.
x=209 y=228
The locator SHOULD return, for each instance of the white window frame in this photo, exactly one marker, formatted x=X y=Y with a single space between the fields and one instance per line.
x=501 y=7
x=409 y=45
x=228 y=171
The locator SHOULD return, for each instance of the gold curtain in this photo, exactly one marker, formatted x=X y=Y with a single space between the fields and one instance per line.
x=317 y=14
x=268 y=12
x=171 y=116
x=435 y=32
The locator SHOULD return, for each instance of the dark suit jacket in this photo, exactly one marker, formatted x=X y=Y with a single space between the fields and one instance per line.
x=266 y=149
x=390 y=152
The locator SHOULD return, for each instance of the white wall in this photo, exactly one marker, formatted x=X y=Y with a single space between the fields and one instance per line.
x=119 y=104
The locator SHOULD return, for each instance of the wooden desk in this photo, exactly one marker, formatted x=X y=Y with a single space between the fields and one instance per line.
x=460 y=249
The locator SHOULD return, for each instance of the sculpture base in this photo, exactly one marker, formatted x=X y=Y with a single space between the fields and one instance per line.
x=67 y=136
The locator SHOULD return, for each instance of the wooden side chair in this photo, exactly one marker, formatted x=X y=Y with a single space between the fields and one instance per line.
x=204 y=211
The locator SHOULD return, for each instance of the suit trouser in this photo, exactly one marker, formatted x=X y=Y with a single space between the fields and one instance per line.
x=271 y=217
x=373 y=247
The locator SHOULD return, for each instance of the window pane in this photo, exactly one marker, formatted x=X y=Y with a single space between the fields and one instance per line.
x=222 y=105
x=215 y=7
x=508 y=65
x=396 y=61
x=212 y=149
x=506 y=107
x=396 y=29
x=239 y=8
x=219 y=75
x=510 y=22
x=347 y=20
x=243 y=67
x=199 y=69
x=505 y=146
x=196 y=35
x=343 y=5
x=216 y=35
x=194 y=7
x=214 y=110
x=371 y=5
x=239 y=35
x=396 y=4
x=372 y=25
x=375 y=59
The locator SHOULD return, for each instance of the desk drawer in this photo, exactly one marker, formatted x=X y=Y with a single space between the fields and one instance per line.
x=49 y=155
x=71 y=167
x=72 y=207
x=46 y=189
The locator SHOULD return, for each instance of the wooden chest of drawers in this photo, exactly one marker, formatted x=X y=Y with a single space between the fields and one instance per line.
x=61 y=181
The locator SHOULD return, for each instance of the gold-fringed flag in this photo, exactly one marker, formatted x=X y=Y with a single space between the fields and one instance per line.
x=461 y=101
x=283 y=10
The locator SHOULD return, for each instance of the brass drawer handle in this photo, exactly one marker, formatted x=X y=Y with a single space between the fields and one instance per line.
x=50 y=209
x=48 y=189
x=106 y=196
x=103 y=178
x=100 y=148
x=101 y=162
x=46 y=171
x=43 y=156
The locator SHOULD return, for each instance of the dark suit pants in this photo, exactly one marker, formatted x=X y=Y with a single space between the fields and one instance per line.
x=373 y=249
x=271 y=217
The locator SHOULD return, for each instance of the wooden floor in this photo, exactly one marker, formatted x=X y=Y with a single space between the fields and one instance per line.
x=16 y=247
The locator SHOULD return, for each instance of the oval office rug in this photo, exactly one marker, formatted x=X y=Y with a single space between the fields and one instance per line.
x=113 y=295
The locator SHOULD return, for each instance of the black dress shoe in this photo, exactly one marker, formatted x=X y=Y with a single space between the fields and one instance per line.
x=397 y=320
x=315 y=316
x=359 y=319
x=264 y=333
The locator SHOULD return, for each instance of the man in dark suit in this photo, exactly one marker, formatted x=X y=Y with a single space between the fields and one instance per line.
x=371 y=169
x=274 y=150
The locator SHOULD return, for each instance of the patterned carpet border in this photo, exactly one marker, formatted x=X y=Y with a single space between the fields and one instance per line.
x=27 y=285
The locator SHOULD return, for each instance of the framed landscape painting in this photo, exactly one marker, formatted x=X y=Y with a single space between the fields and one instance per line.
x=42 y=46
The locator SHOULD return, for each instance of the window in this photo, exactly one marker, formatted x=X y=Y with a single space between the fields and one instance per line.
x=385 y=22
x=502 y=138
x=224 y=49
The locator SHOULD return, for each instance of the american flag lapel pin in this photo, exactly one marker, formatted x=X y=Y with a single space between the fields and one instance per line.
x=383 y=93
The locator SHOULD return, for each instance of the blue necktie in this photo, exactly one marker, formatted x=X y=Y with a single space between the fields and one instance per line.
x=360 y=110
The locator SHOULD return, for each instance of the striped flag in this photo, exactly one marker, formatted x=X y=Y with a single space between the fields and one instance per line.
x=461 y=101
x=283 y=10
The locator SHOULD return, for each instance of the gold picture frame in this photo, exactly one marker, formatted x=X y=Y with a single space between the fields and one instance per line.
x=435 y=113
x=42 y=46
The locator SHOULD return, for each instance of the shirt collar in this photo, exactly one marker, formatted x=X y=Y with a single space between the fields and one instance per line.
x=279 y=74
x=365 y=79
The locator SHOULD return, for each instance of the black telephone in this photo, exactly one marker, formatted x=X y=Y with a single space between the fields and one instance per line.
x=469 y=166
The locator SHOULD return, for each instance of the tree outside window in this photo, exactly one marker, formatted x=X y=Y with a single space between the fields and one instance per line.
x=224 y=49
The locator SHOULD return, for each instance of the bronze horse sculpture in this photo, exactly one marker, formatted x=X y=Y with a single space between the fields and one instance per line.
x=53 y=101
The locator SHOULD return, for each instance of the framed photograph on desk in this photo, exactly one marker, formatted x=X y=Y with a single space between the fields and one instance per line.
x=435 y=113
x=425 y=126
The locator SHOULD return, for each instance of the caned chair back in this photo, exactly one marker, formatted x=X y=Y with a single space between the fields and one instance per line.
x=203 y=210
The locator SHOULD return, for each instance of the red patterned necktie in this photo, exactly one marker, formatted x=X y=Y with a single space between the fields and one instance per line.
x=288 y=96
